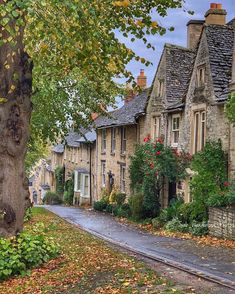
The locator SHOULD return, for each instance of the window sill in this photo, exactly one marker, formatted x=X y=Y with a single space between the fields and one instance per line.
x=123 y=154
x=112 y=153
x=103 y=153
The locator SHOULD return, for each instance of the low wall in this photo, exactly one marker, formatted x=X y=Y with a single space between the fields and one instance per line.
x=222 y=222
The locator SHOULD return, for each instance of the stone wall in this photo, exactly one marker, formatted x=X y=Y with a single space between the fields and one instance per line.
x=222 y=222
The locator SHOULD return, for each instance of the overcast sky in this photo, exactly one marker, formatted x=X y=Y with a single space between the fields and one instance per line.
x=178 y=19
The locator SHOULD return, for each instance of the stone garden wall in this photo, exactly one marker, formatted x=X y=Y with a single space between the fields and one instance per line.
x=222 y=222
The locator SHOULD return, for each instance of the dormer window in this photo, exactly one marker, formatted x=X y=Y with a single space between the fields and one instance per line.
x=201 y=76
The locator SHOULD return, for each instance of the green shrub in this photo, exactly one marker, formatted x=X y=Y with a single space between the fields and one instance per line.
x=69 y=191
x=59 y=177
x=157 y=224
x=136 y=206
x=171 y=212
x=109 y=208
x=100 y=205
x=199 y=212
x=199 y=228
x=184 y=212
x=122 y=211
x=28 y=214
x=210 y=168
x=52 y=198
x=25 y=251
x=120 y=198
x=176 y=225
x=223 y=199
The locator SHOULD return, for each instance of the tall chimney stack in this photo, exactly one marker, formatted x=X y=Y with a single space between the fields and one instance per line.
x=194 y=32
x=216 y=15
x=142 y=80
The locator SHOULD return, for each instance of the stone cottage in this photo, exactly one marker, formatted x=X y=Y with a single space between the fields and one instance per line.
x=190 y=89
x=117 y=135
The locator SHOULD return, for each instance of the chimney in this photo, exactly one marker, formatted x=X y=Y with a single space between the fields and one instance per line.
x=194 y=32
x=130 y=93
x=142 y=80
x=216 y=15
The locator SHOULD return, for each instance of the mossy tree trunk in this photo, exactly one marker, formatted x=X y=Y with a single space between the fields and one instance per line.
x=15 y=112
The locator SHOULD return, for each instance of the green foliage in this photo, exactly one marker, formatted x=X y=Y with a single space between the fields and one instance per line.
x=28 y=214
x=150 y=165
x=25 y=251
x=69 y=191
x=199 y=228
x=136 y=206
x=120 y=198
x=175 y=225
x=171 y=212
x=52 y=198
x=77 y=51
x=59 y=177
x=37 y=149
x=123 y=210
x=223 y=198
x=209 y=166
x=230 y=108
x=100 y=205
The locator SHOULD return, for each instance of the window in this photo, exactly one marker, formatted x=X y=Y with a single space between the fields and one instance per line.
x=123 y=140
x=86 y=186
x=123 y=179
x=77 y=181
x=175 y=129
x=201 y=76
x=156 y=133
x=103 y=141
x=113 y=140
x=199 y=130
x=103 y=173
x=160 y=88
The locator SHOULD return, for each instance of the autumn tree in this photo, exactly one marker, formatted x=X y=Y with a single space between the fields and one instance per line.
x=71 y=48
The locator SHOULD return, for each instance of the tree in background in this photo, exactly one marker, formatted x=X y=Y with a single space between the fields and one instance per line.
x=76 y=57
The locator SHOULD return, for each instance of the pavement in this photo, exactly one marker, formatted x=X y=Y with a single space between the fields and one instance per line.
x=209 y=261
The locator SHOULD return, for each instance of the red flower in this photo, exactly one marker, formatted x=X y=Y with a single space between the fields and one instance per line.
x=151 y=165
x=159 y=140
x=147 y=139
x=158 y=152
x=226 y=184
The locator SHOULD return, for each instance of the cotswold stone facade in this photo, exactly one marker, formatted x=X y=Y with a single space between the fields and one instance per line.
x=117 y=135
x=222 y=222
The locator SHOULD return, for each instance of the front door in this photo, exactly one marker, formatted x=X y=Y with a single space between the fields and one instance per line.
x=172 y=192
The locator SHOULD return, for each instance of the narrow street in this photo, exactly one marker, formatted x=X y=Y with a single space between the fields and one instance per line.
x=215 y=262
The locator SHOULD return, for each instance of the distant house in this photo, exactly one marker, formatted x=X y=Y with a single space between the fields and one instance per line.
x=117 y=135
x=79 y=159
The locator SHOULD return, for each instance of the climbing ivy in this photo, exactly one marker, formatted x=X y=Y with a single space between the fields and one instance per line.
x=59 y=177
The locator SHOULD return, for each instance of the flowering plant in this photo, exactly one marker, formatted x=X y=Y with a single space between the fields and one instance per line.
x=151 y=165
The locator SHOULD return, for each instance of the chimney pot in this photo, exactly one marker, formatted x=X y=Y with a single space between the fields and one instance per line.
x=219 y=6
x=213 y=6
x=142 y=80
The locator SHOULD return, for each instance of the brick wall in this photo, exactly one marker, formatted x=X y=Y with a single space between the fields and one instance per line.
x=222 y=222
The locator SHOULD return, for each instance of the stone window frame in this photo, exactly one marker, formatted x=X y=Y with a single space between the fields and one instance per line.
x=77 y=181
x=156 y=126
x=113 y=140
x=174 y=130
x=160 y=87
x=83 y=193
x=103 y=140
x=123 y=132
x=201 y=112
x=123 y=178
x=201 y=75
x=103 y=173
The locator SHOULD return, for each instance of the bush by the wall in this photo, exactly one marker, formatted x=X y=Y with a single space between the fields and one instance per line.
x=175 y=225
x=223 y=198
x=24 y=252
x=69 y=191
x=136 y=206
x=52 y=198
x=100 y=205
x=59 y=177
x=199 y=228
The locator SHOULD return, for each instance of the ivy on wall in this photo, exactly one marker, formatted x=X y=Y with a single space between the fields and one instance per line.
x=59 y=177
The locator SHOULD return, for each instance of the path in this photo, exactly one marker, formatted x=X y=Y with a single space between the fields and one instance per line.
x=215 y=262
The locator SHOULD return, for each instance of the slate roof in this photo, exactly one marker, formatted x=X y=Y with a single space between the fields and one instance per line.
x=127 y=114
x=58 y=149
x=179 y=66
x=89 y=136
x=220 y=44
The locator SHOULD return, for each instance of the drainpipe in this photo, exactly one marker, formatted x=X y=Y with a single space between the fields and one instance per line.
x=90 y=176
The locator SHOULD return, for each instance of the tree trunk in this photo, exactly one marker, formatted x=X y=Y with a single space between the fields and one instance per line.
x=15 y=112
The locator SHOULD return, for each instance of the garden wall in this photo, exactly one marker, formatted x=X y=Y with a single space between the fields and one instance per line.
x=222 y=222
